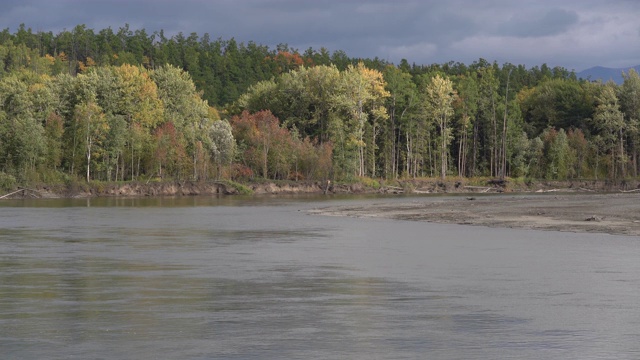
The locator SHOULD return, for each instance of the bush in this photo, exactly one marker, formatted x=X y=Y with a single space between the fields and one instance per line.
x=75 y=185
x=242 y=189
x=408 y=187
x=7 y=182
x=97 y=187
x=370 y=183
x=241 y=172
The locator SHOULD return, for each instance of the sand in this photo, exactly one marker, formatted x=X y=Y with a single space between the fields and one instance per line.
x=617 y=213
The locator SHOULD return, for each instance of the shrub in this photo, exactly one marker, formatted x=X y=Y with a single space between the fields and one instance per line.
x=370 y=183
x=7 y=182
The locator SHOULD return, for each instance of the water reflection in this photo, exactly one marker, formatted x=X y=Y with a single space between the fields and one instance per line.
x=186 y=201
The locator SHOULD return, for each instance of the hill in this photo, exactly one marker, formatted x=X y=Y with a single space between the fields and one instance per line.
x=605 y=74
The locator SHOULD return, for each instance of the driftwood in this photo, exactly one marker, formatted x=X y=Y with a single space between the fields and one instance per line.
x=421 y=191
x=327 y=187
x=630 y=191
x=11 y=193
x=483 y=188
x=392 y=189
x=25 y=191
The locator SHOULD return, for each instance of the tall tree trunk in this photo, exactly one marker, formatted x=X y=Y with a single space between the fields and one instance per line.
x=132 y=158
x=392 y=137
x=503 y=168
x=443 y=149
x=494 y=141
x=408 y=161
x=623 y=163
x=88 y=159
x=117 y=165
x=475 y=148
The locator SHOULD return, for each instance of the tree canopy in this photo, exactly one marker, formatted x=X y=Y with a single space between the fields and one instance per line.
x=126 y=105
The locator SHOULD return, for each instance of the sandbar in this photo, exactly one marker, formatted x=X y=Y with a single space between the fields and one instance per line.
x=610 y=213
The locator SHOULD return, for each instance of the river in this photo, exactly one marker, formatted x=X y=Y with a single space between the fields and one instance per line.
x=260 y=278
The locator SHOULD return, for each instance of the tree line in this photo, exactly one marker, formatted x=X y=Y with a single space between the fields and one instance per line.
x=126 y=105
x=394 y=124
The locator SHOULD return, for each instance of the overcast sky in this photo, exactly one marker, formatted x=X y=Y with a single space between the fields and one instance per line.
x=575 y=34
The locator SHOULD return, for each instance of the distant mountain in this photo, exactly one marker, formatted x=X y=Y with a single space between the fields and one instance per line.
x=605 y=74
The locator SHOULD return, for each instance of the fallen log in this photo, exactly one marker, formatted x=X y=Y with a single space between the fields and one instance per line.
x=421 y=191
x=630 y=191
x=483 y=188
x=31 y=192
x=11 y=193
x=392 y=189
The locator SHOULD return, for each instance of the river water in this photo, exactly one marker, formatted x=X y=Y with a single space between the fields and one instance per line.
x=259 y=278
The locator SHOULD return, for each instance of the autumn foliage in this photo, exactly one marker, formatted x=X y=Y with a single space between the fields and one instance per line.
x=273 y=152
x=286 y=61
x=127 y=105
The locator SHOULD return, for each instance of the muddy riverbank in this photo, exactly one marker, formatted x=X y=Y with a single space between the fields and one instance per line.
x=611 y=213
x=411 y=186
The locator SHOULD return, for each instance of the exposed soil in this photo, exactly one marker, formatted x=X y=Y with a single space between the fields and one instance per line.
x=617 y=213
x=416 y=186
x=140 y=189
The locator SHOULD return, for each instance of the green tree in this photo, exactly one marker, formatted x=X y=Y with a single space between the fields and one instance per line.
x=558 y=103
x=609 y=121
x=141 y=108
x=24 y=106
x=224 y=145
x=556 y=154
x=630 y=106
x=580 y=152
x=362 y=94
x=187 y=111
x=439 y=98
x=486 y=127
x=93 y=126
x=535 y=159
x=402 y=100
x=466 y=106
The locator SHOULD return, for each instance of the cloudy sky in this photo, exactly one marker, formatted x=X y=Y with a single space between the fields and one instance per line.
x=575 y=34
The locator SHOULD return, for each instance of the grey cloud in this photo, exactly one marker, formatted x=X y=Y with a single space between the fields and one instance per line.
x=534 y=24
x=423 y=31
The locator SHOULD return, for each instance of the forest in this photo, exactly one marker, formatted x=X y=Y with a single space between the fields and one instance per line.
x=126 y=105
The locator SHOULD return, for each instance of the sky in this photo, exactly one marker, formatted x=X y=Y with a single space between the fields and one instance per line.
x=574 y=34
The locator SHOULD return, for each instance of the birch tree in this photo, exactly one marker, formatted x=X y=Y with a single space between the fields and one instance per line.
x=609 y=120
x=93 y=126
x=223 y=148
x=402 y=100
x=467 y=106
x=361 y=96
x=439 y=98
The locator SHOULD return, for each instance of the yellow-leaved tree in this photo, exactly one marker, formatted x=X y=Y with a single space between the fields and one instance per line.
x=439 y=98
x=362 y=95
x=142 y=108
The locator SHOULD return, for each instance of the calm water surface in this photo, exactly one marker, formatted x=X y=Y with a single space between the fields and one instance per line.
x=234 y=278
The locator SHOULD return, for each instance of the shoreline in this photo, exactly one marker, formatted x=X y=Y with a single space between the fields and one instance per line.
x=411 y=186
x=575 y=206
x=615 y=214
